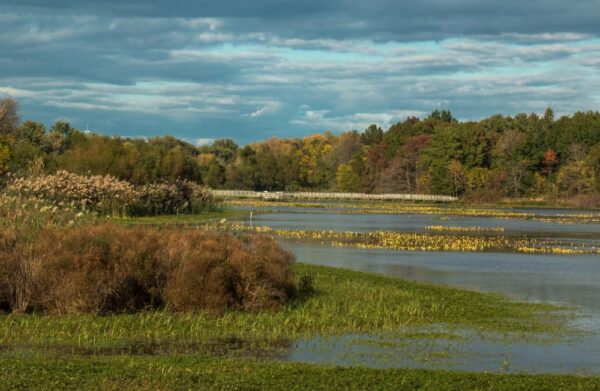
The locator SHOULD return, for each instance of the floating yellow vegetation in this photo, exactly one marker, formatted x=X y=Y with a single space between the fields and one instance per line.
x=427 y=242
x=463 y=229
x=424 y=209
x=556 y=250
x=402 y=241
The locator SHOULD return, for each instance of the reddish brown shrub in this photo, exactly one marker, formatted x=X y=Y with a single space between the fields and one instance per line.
x=110 y=268
x=226 y=272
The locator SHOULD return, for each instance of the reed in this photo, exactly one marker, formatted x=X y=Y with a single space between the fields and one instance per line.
x=107 y=195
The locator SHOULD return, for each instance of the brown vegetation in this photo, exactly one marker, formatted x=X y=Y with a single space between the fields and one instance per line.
x=109 y=268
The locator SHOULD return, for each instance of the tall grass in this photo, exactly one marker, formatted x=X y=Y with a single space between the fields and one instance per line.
x=110 y=196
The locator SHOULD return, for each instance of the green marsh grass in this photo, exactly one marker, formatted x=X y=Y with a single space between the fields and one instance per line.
x=344 y=302
x=198 y=372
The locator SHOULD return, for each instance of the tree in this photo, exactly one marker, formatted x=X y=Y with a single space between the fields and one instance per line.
x=345 y=178
x=593 y=162
x=32 y=132
x=63 y=128
x=58 y=139
x=549 y=162
x=443 y=116
x=457 y=173
x=478 y=179
x=577 y=176
x=445 y=146
x=509 y=157
x=348 y=144
x=225 y=150
x=403 y=170
x=313 y=173
x=372 y=135
x=9 y=116
x=374 y=164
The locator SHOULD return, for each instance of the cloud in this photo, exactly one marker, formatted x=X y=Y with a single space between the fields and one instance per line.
x=203 y=141
x=375 y=19
x=251 y=70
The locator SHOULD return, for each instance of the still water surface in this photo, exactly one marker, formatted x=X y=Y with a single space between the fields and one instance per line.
x=565 y=279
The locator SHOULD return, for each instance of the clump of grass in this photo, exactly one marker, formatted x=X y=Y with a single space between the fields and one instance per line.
x=111 y=268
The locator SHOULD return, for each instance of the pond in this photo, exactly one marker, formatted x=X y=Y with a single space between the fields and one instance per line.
x=564 y=279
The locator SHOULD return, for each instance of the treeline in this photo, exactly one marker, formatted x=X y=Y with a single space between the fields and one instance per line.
x=524 y=155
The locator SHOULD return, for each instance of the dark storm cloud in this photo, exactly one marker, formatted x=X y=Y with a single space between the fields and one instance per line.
x=342 y=19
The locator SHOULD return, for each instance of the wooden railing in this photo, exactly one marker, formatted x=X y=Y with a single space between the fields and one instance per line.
x=281 y=195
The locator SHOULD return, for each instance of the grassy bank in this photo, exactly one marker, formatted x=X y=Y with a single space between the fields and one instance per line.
x=343 y=302
x=183 y=219
x=193 y=372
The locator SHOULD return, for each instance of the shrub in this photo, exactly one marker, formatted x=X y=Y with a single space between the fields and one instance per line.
x=110 y=268
x=250 y=274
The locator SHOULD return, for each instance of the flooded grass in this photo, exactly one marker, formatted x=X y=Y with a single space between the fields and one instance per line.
x=344 y=302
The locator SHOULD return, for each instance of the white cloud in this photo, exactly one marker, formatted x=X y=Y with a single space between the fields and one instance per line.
x=203 y=141
x=15 y=92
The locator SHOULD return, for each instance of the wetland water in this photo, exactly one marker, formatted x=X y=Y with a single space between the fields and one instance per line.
x=573 y=280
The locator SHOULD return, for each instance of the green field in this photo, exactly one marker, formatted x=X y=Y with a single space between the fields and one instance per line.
x=194 y=372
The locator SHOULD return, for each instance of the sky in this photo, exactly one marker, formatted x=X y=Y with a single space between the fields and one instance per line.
x=251 y=70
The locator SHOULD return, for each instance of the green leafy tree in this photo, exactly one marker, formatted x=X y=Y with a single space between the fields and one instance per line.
x=445 y=146
x=32 y=132
x=372 y=135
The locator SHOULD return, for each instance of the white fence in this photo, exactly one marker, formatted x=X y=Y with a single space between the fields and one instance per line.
x=276 y=195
